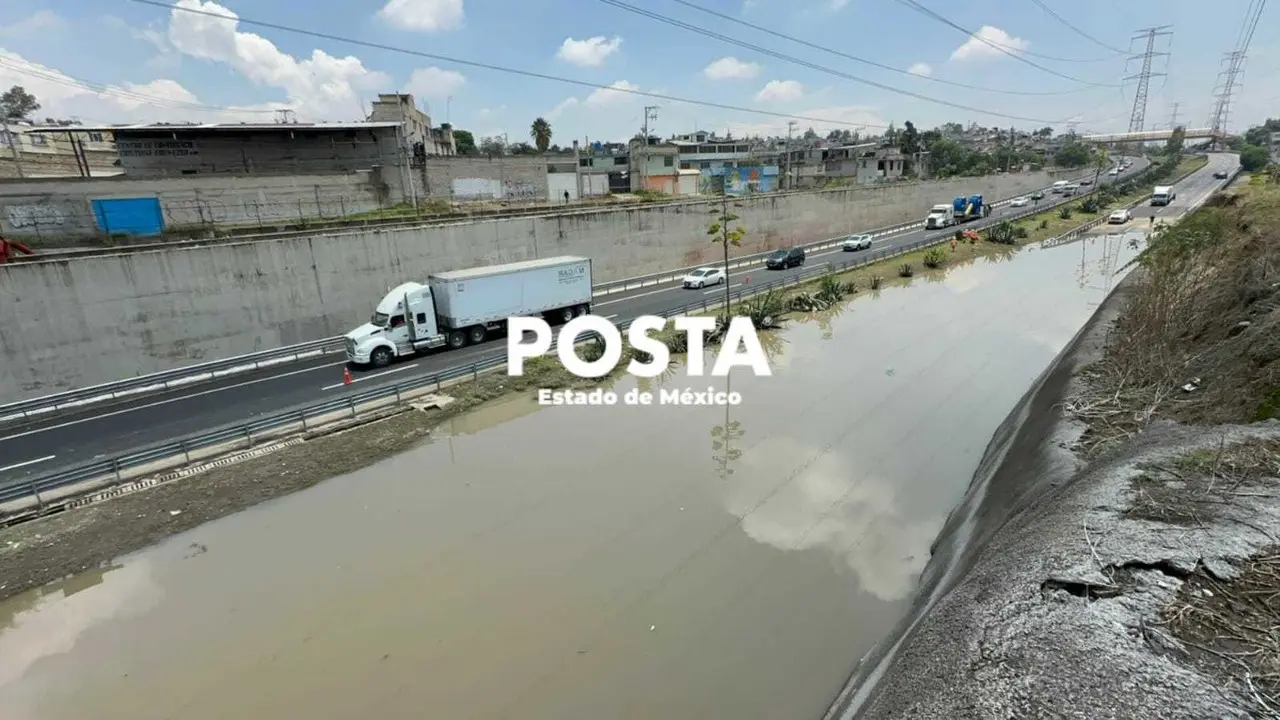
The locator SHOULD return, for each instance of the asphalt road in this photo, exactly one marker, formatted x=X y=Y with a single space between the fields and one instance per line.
x=111 y=428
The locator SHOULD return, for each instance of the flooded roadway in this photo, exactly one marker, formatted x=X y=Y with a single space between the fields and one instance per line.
x=585 y=562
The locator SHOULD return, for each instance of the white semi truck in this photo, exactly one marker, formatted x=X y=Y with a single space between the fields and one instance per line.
x=465 y=307
x=940 y=216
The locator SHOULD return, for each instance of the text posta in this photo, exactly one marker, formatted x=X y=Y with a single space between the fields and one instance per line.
x=740 y=348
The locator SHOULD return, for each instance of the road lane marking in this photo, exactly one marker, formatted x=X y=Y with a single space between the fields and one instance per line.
x=165 y=402
x=362 y=378
x=610 y=317
x=15 y=466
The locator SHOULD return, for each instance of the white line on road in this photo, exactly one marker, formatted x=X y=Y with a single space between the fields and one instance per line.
x=15 y=466
x=362 y=378
x=610 y=317
x=166 y=402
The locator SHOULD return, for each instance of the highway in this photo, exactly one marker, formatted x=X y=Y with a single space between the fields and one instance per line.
x=109 y=428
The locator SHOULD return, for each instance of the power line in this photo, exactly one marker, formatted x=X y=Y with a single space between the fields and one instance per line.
x=813 y=66
x=1235 y=66
x=68 y=81
x=499 y=68
x=1049 y=11
x=1011 y=52
x=864 y=61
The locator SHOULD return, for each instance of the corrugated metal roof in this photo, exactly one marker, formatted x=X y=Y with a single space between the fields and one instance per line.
x=217 y=127
x=507 y=268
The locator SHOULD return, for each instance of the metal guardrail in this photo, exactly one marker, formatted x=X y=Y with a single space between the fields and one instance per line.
x=153 y=382
x=228 y=438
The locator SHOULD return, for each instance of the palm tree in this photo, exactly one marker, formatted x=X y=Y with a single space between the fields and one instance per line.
x=540 y=132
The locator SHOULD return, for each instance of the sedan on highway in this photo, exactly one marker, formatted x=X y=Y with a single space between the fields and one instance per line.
x=1220 y=175
x=702 y=277
x=1020 y=201
x=783 y=259
x=856 y=242
x=1119 y=217
x=1037 y=195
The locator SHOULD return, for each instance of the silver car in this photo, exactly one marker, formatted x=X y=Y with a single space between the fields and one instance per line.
x=856 y=242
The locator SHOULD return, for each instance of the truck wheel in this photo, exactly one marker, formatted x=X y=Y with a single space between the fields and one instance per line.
x=581 y=310
x=566 y=314
x=457 y=339
x=381 y=357
x=476 y=335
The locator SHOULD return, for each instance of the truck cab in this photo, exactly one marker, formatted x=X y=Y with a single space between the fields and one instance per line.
x=392 y=332
x=1163 y=195
x=940 y=216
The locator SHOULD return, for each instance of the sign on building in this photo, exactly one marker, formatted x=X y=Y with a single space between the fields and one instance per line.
x=157 y=148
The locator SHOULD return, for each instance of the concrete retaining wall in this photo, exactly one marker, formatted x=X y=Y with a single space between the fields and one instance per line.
x=54 y=210
x=72 y=323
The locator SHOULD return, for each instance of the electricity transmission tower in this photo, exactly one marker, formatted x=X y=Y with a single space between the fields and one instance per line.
x=1173 y=118
x=1138 y=118
x=1229 y=76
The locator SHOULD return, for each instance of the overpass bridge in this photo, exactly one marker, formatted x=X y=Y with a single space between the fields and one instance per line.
x=1150 y=135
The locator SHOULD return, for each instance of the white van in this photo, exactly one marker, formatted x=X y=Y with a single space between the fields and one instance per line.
x=1058 y=187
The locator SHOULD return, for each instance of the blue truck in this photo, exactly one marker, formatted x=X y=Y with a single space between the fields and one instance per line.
x=970 y=208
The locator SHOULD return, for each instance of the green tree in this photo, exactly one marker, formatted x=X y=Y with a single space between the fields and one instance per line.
x=492 y=146
x=1073 y=155
x=1260 y=135
x=910 y=139
x=16 y=103
x=465 y=142
x=523 y=148
x=1254 y=158
x=1101 y=161
x=540 y=132
x=723 y=230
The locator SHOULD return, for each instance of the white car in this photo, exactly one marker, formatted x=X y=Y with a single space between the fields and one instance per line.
x=1114 y=172
x=1119 y=217
x=703 y=277
x=856 y=242
x=1020 y=201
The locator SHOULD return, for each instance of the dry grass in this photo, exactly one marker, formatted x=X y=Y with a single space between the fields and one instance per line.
x=1204 y=316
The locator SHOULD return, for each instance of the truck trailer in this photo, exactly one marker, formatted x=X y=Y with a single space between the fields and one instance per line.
x=466 y=307
x=970 y=208
x=1163 y=195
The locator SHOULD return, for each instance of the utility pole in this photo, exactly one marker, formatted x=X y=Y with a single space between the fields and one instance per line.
x=650 y=113
x=789 y=183
x=1008 y=156
x=1229 y=76
x=1138 y=118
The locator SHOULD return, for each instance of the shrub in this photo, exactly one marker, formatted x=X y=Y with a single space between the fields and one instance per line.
x=906 y=270
x=591 y=350
x=1002 y=233
x=830 y=288
x=1044 y=224
x=1065 y=212
x=808 y=302
x=1020 y=232
x=1089 y=206
x=765 y=310
x=876 y=280
x=934 y=258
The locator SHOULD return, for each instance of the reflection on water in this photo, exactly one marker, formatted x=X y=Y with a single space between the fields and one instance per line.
x=673 y=562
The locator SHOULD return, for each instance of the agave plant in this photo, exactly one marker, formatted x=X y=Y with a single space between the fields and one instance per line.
x=766 y=310
x=830 y=289
x=809 y=302
x=906 y=270
x=934 y=258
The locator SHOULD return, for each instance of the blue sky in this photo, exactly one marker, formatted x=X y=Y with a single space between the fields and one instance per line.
x=148 y=63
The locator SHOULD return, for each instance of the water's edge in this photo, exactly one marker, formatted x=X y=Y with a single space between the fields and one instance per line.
x=1026 y=460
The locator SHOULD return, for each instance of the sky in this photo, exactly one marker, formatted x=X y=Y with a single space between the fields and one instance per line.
x=122 y=61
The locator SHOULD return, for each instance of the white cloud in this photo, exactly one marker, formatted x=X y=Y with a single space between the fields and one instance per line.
x=319 y=87
x=39 y=21
x=851 y=118
x=590 y=52
x=434 y=82
x=731 y=68
x=424 y=15
x=975 y=48
x=780 y=91
x=160 y=100
x=603 y=96
x=921 y=69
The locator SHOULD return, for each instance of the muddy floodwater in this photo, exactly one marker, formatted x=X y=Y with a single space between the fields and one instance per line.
x=585 y=562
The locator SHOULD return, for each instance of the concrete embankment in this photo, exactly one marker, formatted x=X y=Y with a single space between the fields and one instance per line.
x=1075 y=581
x=73 y=323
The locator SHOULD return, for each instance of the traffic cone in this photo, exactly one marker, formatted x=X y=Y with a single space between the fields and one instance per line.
x=346 y=376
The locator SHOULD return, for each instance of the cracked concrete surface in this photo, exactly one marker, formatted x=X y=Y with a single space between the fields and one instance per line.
x=1028 y=632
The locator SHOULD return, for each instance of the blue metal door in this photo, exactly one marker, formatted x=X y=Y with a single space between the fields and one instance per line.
x=129 y=216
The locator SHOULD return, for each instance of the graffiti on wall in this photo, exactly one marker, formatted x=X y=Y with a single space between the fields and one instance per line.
x=519 y=190
x=24 y=217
